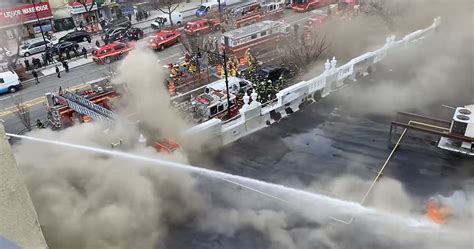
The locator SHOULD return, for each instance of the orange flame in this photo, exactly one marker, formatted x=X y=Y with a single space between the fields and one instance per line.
x=436 y=212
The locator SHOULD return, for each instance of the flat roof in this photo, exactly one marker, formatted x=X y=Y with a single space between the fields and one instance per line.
x=254 y=28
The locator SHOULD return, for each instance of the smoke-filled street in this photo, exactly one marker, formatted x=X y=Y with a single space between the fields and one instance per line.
x=344 y=149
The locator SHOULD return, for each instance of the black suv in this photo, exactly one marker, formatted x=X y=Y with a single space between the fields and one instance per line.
x=114 y=34
x=273 y=73
x=76 y=36
x=61 y=47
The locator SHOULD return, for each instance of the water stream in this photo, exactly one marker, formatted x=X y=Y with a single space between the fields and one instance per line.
x=296 y=198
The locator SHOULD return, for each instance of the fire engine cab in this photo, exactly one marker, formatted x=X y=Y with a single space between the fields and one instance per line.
x=307 y=5
x=213 y=105
x=254 y=12
x=312 y=24
x=164 y=39
x=264 y=35
x=202 y=26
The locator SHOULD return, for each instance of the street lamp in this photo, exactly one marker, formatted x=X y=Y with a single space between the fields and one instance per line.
x=39 y=23
x=224 y=57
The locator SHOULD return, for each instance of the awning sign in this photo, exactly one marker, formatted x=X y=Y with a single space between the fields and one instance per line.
x=24 y=14
x=78 y=8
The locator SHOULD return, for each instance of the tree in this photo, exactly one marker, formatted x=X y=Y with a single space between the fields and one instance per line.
x=22 y=112
x=166 y=6
x=384 y=9
x=302 y=53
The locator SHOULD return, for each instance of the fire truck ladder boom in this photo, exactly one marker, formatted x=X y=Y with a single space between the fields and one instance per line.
x=86 y=107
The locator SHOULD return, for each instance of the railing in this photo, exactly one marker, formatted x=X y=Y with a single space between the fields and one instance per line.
x=293 y=96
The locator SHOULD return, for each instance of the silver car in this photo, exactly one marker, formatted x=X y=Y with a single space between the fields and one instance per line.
x=35 y=47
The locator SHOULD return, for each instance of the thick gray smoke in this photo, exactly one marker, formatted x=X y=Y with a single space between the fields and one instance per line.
x=90 y=201
x=439 y=69
x=146 y=98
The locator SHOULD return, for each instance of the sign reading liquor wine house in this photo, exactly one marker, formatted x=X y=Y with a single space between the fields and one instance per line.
x=24 y=14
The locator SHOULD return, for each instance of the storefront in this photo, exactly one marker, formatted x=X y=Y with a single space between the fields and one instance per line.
x=22 y=20
x=84 y=14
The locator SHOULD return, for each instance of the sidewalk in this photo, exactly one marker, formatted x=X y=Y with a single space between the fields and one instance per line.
x=183 y=7
x=72 y=64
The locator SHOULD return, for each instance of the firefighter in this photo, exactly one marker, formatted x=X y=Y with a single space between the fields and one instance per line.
x=40 y=124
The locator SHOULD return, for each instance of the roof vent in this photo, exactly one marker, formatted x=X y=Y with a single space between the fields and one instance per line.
x=465 y=111
x=462 y=117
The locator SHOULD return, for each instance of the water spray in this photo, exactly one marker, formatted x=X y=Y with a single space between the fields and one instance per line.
x=244 y=182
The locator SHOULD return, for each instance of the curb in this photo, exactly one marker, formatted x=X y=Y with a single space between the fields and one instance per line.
x=44 y=76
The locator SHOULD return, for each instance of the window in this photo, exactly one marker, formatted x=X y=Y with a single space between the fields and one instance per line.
x=264 y=33
x=254 y=36
x=221 y=108
x=242 y=84
x=105 y=51
x=214 y=110
x=120 y=46
x=2 y=81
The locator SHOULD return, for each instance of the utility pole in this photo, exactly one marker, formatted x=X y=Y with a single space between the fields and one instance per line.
x=224 y=57
x=39 y=23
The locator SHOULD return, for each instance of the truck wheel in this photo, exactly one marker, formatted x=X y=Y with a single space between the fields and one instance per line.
x=162 y=47
x=197 y=33
x=12 y=89
x=108 y=60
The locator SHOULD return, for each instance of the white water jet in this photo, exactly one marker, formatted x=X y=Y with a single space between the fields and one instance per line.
x=299 y=199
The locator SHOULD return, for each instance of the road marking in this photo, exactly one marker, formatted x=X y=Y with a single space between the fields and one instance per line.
x=30 y=103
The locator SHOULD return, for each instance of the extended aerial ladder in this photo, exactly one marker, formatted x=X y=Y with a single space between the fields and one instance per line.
x=64 y=101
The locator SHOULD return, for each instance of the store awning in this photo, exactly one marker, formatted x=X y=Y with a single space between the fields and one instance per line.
x=78 y=8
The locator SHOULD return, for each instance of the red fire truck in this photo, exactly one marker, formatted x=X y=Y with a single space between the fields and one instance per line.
x=312 y=24
x=202 y=26
x=254 y=12
x=307 y=5
x=66 y=108
x=264 y=35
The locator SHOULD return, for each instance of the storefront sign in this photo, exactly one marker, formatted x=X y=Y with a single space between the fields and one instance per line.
x=24 y=14
x=78 y=8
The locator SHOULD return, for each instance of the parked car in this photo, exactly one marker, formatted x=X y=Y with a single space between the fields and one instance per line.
x=121 y=22
x=164 y=39
x=111 y=52
x=114 y=34
x=9 y=82
x=39 y=46
x=273 y=73
x=61 y=47
x=76 y=36
x=163 y=20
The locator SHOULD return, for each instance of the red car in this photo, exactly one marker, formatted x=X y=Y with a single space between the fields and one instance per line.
x=164 y=39
x=202 y=26
x=111 y=52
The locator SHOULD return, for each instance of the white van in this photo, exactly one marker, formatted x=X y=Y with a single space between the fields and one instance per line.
x=176 y=17
x=9 y=82
x=235 y=85
x=210 y=7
